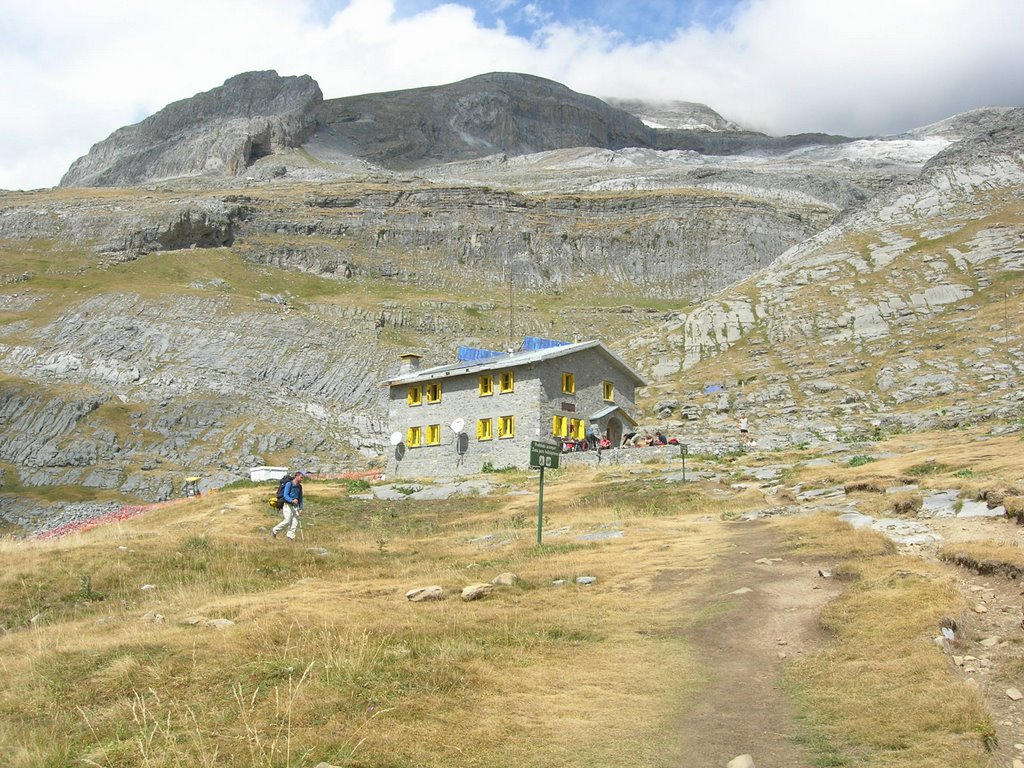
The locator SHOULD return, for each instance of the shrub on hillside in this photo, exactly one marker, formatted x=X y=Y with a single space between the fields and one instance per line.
x=1014 y=506
x=907 y=504
x=868 y=484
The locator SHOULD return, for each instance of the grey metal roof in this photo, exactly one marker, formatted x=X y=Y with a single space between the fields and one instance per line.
x=512 y=360
x=610 y=410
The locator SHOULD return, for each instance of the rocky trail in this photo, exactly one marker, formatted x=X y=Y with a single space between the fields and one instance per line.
x=744 y=710
x=744 y=718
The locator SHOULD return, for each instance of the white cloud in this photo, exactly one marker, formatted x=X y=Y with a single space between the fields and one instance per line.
x=73 y=72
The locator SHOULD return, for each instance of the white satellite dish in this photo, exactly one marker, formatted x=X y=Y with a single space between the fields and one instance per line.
x=457 y=425
x=396 y=438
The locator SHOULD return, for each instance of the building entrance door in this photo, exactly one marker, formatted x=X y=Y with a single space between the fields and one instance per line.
x=614 y=432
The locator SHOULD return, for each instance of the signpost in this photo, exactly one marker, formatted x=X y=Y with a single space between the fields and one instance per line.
x=682 y=454
x=543 y=456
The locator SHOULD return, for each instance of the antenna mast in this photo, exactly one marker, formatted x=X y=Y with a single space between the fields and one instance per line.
x=511 y=306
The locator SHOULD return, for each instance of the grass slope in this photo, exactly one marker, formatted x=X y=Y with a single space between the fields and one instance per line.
x=110 y=658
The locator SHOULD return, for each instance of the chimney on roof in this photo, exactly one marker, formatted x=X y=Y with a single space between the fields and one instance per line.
x=409 y=363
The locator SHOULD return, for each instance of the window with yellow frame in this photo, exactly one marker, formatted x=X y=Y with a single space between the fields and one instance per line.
x=506 y=426
x=433 y=434
x=559 y=426
x=568 y=384
x=609 y=390
x=485 y=429
x=434 y=392
x=414 y=437
x=507 y=381
x=415 y=395
x=486 y=387
x=577 y=429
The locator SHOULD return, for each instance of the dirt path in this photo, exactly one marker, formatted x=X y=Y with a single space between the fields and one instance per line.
x=744 y=641
x=745 y=637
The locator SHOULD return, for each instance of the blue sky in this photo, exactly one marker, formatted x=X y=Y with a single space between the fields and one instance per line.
x=630 y=20
x=72 y=72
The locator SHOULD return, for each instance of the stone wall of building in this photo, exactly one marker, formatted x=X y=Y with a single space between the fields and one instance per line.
x=537 y=397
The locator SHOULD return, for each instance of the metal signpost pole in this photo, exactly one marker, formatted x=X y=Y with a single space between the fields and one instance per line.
x=542 y=455
x=540 y=507
x=682 y=455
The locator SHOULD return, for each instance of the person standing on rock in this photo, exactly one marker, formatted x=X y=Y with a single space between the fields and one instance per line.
x=292 y=507
x=745 y=439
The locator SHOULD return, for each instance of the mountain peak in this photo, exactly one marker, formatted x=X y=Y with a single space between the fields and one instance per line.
x=222 y=130
x=675 y=115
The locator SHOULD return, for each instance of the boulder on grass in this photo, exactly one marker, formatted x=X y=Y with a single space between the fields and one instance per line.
x=421 y=594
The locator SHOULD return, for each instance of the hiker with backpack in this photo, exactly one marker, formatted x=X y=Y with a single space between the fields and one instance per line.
x=289 y=502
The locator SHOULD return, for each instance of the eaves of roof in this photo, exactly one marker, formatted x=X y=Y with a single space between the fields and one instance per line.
x=512 y=360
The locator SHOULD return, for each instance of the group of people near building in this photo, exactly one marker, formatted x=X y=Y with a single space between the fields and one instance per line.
x=636 y=440
x=595 y=441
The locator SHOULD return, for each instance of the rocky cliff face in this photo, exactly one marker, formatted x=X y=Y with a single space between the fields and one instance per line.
x=510 y=114
x=906 y=312
x=690 y=243
x=219 y=132
x=495 y=113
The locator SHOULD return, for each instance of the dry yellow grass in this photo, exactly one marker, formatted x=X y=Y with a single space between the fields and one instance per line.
x=987 y=556
x=328 y=661
x=967 y=459
x=881 y=694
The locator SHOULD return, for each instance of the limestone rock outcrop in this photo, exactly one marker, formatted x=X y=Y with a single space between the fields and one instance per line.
x=506 y=113
x=218 y=132
x=225 y=131
x=499 y=112
x=893 y=306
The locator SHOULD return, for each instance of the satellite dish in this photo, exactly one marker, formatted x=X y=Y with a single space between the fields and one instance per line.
x=457 y=425
x=396 y=438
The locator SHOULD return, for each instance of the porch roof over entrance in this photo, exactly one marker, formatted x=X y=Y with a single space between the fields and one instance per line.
x=605 y=412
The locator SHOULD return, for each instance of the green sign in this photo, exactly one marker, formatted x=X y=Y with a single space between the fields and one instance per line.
x=544 y=455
